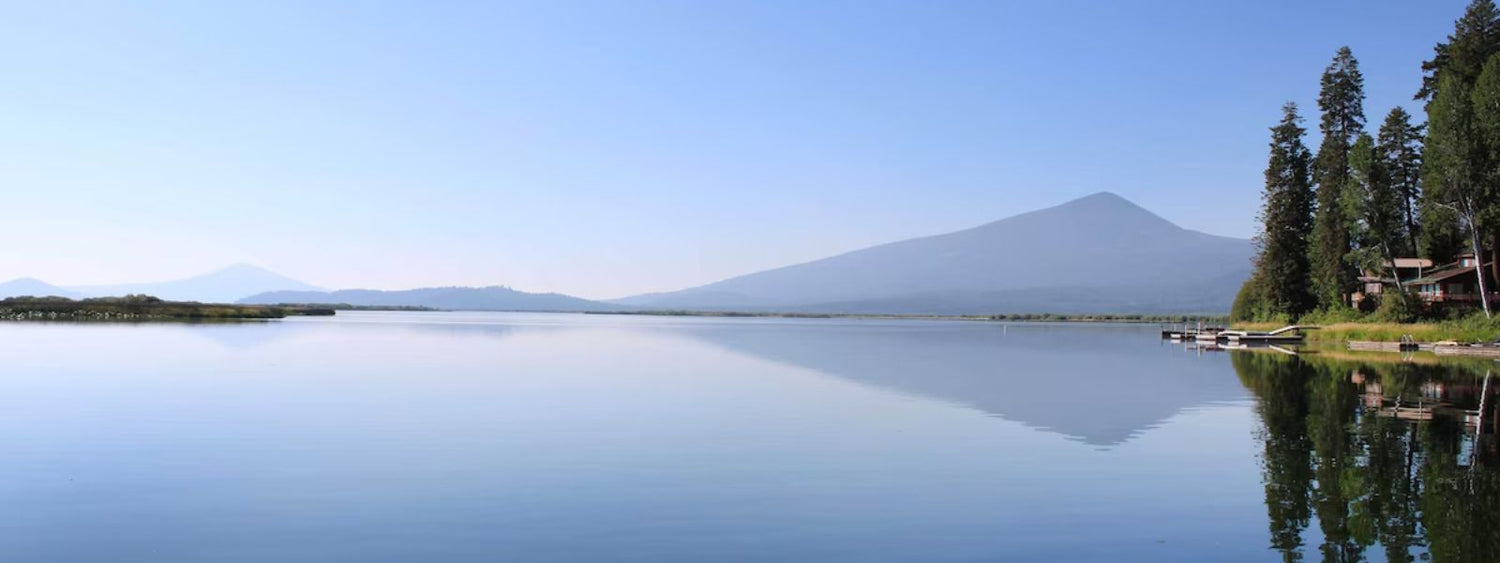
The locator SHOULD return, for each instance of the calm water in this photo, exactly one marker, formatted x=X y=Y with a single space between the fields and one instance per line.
x=508 y=437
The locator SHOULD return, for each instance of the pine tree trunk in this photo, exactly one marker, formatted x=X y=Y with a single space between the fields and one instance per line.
x=1413 y=247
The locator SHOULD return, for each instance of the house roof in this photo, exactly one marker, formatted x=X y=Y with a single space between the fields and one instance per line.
x=1444 y=274
x=1412 y=263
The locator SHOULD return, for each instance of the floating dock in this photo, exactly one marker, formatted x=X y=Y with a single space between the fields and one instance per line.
x=1284 y=335
x=1188 y=332
x=1369 y=346
x=1485 y=351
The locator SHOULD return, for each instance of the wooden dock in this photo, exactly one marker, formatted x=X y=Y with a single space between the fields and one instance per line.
x=1284 y=335
x=1187 y=332
x=1438 y=348
x=1486 y=351
x=1367 y=346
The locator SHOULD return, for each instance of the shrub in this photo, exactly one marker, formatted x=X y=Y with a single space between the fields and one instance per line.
x=1398 y=307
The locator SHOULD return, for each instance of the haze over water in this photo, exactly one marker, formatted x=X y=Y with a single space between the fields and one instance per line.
x=484 y=437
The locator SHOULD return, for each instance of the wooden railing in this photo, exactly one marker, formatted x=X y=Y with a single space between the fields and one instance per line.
x=1457 y=297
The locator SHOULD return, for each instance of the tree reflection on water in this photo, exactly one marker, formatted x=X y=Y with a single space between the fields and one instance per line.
x=1399 y=457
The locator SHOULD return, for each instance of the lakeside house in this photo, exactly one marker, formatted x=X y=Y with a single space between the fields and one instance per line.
x=1455 y=282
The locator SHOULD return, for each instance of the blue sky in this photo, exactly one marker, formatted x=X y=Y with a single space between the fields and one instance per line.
x=606 y=148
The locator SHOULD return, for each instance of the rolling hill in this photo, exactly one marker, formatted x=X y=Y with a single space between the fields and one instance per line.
x=493 y=298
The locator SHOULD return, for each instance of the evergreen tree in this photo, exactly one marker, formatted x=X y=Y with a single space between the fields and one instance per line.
x=1460 y=60
x=1341 y=100
x=1400 y=154
x=1250 y=302
x=1441 y=239
x=1475 y=38
x=1280 y=282
x=1454 y=165
x=1486 y=101
x=1373 y=211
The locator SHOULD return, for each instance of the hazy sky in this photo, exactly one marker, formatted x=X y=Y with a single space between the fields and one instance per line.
x=612 y=147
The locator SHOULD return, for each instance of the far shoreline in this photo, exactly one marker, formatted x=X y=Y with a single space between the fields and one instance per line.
x=1002 y=317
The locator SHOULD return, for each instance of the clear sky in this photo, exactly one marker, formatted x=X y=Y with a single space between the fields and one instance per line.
x=606 y=148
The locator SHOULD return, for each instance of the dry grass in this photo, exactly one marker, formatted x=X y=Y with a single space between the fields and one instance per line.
x=1464 y=330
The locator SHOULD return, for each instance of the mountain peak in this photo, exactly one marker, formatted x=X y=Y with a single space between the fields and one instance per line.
x=240 y=267
x=1105 y=200
x=33 y=287
x=1104 y=196
x=219 y=286
x=244 y=270
x=1106 y=208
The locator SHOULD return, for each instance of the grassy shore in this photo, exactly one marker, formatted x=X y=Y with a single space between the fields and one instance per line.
x=1470 y=329
x=134 y=308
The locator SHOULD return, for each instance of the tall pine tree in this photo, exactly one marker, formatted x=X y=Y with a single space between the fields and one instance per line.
x=1373 y=210
x=1341 y=100
x=1476 y=38
x=1399 y=150
x=1486 y=101
x=1279 y=285
x=1455 y=167
x=1461 y=59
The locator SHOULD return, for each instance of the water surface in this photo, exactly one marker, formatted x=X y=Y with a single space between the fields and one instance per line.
x=521 y=437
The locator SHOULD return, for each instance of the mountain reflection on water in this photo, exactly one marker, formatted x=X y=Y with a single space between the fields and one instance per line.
x=1099 y=384
x=1363 y=457
x=458 y=436
x=1360 y=456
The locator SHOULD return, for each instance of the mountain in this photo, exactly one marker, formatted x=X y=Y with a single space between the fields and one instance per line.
x=32 y=287
x=221 y=286
x=1098 y=254
x=493 y=298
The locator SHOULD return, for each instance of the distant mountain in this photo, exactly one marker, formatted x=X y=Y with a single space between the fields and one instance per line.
x=33 y=287
x=1100 y=253
x=222 y=286
x=457 y=298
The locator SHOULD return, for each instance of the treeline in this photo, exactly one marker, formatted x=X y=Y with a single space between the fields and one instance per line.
x=1429 y=190
x=138 y=308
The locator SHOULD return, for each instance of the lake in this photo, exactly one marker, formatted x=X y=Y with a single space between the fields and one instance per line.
x=383 y=436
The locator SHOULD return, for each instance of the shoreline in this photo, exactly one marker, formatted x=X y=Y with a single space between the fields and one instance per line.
x=138 y=309
x=1462 y=331
x=1008 y=317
